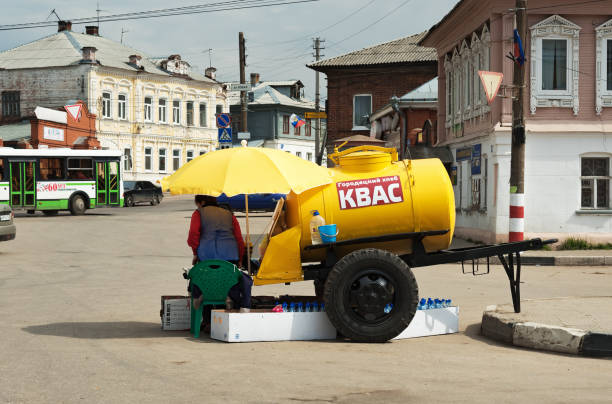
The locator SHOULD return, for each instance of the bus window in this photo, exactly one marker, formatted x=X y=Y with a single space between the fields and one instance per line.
x=51 y=169
x=80 y=169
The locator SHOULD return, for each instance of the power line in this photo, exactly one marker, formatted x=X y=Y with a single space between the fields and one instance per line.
x=319 y=31
x=372 y=24
x=199 y=9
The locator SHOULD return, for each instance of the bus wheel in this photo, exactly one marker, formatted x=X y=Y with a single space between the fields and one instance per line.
x=49 y=212
x=77 y=205
x=371 y=295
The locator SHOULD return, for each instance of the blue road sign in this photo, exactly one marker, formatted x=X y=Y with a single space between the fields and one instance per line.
x=225 y=135
x=223 y=120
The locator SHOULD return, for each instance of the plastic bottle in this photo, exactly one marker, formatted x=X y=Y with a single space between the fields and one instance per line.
x=388 y=308
x=422 y=304
x=430 y=303
x=315 y=306
x=307 y=309
x=448 y=302
x=316 y=221
x=285 y=307
x=292 y=307
x=436 y=303
x=300 y=307
x=322 y=307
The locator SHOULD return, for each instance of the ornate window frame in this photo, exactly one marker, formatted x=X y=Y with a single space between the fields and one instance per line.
x=554 y=27
x=603 y=96
x=476 y=62
x=448 y=71
x=457 y=72
x=485 y=39
x=467 y=99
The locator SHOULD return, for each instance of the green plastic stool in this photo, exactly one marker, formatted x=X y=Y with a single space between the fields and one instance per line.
x=214 y=278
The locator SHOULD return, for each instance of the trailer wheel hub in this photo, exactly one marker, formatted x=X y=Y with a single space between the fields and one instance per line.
x=370 y=293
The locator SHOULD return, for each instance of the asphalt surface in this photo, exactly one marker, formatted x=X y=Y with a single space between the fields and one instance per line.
x=80 y=299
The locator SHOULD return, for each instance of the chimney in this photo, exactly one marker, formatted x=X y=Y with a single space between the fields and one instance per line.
x=135 y=60
x=254 y=79
x=89 y=54
x=64 y=26
x=210 y=73
x=91 y=30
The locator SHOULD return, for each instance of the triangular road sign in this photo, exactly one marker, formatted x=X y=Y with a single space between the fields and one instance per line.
x=74 y=111
x=491 y=81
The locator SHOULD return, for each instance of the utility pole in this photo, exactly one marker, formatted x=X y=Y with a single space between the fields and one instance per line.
x=243 y=94
x=123 y=31
x=517 y=159
x=318 y=148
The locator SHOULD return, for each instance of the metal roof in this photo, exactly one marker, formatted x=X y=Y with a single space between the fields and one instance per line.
x=403 y=50
x=264 y=93
x=425 y=92
x=64 y=49
x=15 y=131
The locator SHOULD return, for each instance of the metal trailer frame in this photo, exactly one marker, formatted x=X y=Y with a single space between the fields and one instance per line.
x=509 y=255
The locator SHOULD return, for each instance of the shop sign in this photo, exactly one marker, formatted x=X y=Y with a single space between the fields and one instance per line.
x=369 y=192
x=476 y=157
x=53 y=134
x=464 y=154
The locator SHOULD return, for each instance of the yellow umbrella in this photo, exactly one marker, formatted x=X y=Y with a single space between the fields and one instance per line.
x=246 y=170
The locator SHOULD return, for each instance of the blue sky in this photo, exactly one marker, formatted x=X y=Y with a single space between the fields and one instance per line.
x=279 y=38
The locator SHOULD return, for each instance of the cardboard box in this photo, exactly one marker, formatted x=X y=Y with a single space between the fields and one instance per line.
x=264 y=325
x=175 y=313
x=432 y=322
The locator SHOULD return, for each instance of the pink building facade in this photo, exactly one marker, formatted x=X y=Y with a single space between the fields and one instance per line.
x=568 y=114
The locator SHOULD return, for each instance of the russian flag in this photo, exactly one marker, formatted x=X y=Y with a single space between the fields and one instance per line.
x=296 y=121
x=519 y=52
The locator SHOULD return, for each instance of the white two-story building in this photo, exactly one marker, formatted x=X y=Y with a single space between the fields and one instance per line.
x=159 y=112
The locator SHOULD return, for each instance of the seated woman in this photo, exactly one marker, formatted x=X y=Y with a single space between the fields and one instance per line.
x=215 y=233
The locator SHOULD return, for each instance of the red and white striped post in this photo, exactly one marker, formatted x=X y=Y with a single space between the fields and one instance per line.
x=517 y=217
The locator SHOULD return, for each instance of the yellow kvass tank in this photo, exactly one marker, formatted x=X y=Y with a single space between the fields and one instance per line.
x=373 y=194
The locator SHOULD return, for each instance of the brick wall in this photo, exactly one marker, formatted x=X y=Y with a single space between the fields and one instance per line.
x=381 y=82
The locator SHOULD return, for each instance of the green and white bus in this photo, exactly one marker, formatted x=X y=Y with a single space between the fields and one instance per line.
x=57 y=179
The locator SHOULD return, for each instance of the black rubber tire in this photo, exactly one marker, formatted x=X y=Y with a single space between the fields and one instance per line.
x=319 y=287
x=77 y=205
x=50 y=212
x=129 y=201
x=155 y=200
x=338 y=284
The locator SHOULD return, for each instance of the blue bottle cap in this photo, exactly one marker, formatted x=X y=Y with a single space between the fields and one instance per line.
x=315 y=213
x=423 y=301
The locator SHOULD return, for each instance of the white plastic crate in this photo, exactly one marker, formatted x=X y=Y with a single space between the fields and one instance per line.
x=263 y=325
x=430 y=322
x=175 y=313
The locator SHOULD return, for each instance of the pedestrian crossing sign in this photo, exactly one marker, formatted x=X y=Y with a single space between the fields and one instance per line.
x=225 y=135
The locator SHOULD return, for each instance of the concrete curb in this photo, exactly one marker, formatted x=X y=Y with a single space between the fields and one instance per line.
x=545 y=337
x=565 y=260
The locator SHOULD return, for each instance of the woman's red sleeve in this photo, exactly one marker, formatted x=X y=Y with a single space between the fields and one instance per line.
x=238 y=236
x=193 y=240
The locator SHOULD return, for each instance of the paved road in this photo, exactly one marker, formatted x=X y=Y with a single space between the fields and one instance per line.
x=79 y=298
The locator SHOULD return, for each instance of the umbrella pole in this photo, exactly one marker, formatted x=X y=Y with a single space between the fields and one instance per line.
x=248 y=238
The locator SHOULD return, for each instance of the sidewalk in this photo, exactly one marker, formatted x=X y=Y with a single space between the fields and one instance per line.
x=574 y=325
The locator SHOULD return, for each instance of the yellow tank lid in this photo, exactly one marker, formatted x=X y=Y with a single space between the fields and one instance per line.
x=364 y=158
